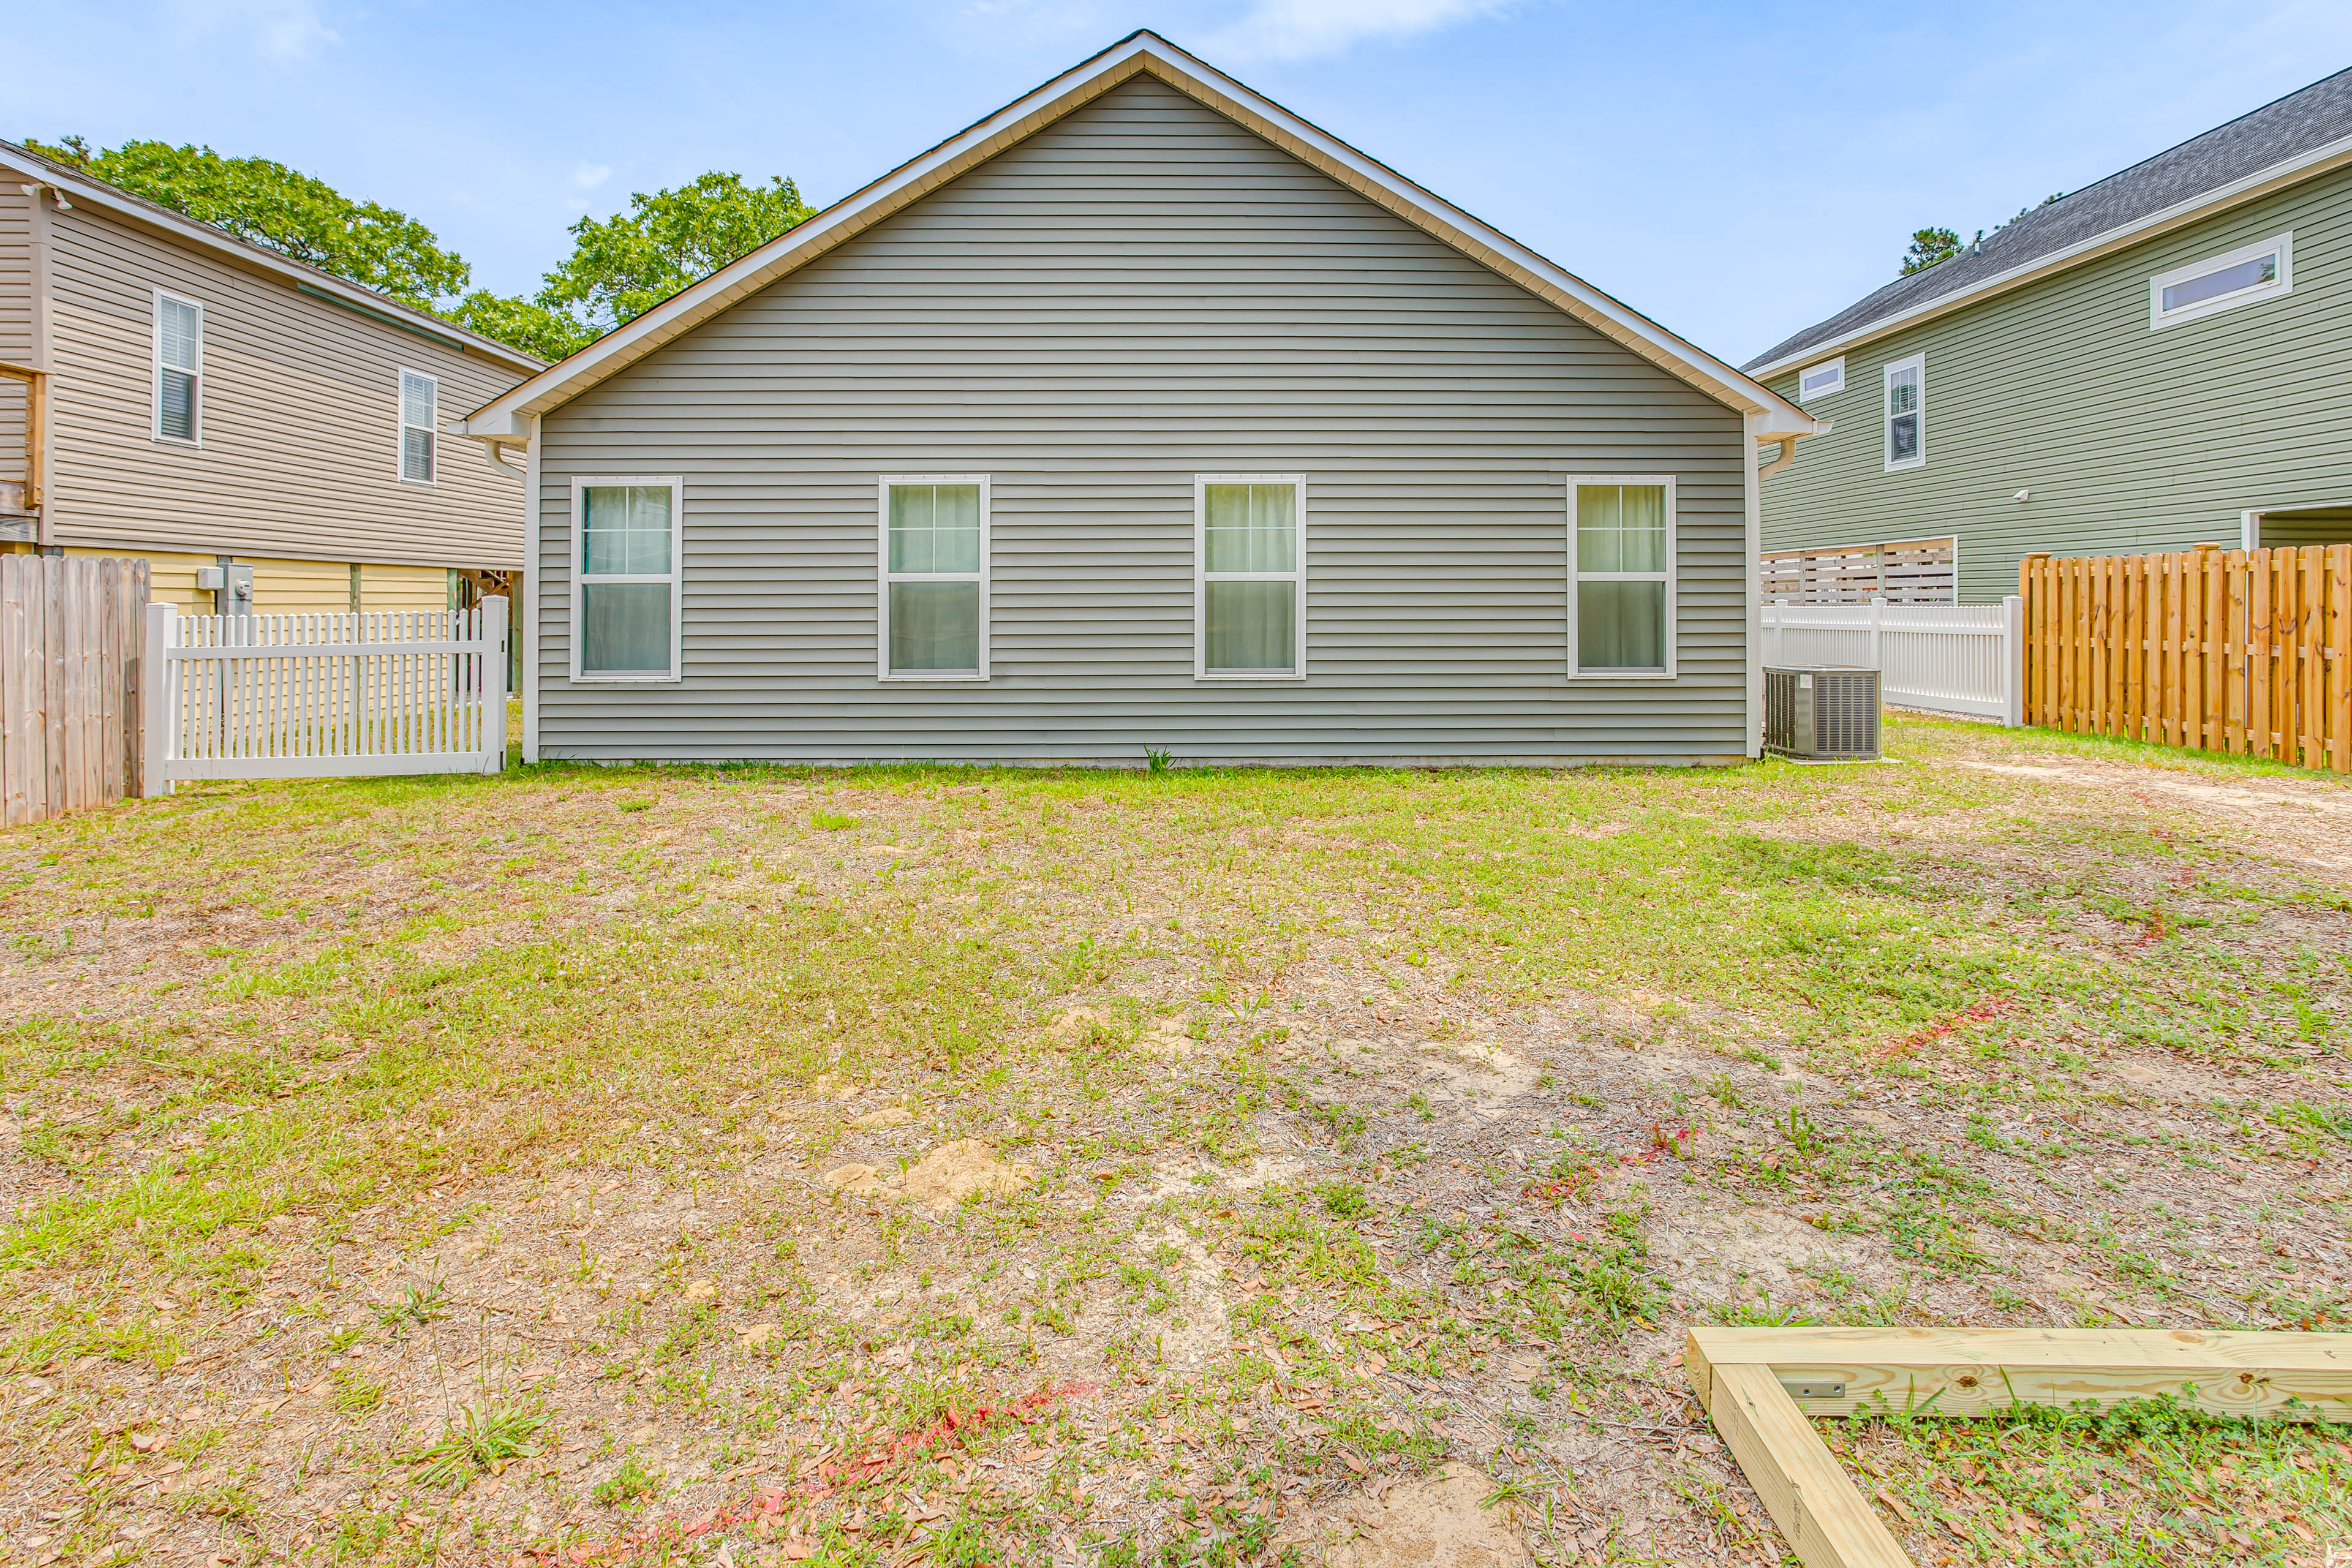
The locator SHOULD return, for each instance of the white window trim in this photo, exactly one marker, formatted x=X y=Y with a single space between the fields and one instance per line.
x=884 y=577
x=1837 y=364
x=155 y=373
x=2159 y=318
x=675 y=577
x=432 y=430
x=1918 y=459
x=1577 y=482
x=1201 y=577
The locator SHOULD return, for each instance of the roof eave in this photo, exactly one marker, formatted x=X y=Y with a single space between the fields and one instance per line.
x=1140 y=52
x=2292 y=171
x=98 y=195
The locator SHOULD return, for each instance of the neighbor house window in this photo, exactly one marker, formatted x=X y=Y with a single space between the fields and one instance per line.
x=1621 y=603
x=2235 y=277
x=1249 y=599
x=420 y=401
x=179 y=369
x=934 y=585
x=1906 y=413
x=1820 y=379
x=625 y=606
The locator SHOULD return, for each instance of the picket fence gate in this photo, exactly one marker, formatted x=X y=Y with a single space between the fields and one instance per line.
x=2220 y=650
x=1946 y=658
x=322 y=696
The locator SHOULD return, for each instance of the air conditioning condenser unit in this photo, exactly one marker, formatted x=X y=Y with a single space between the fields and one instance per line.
x=1821 y=713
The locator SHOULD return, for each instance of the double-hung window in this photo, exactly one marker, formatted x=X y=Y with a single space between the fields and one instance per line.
x=179 y=369
x=1621 y=603
x=625 y=596
x=2239 y=277
x=1906 y=413
x=934 y=587
x=420 y=402
x=1249 y=599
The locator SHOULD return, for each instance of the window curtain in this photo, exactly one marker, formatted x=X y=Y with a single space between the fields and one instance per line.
x=934 y=626
x=624 y=627
x=934 y=529
x=1620 y=624
x=1252 y=529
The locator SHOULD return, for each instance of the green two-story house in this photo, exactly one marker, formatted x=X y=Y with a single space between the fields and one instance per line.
x=2160 y=360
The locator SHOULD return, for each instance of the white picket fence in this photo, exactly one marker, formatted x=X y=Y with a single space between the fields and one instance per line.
x=275 y=696
x=1947 y=659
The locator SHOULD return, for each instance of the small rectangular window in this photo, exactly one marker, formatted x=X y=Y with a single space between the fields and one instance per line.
x=934 y=588
x=2235 y=277
x=1250 y=581
x=420 y=402
x=1621 y=605
x=179 y=369
x=626 y=594
x=1906 y=413
x=1820 y=379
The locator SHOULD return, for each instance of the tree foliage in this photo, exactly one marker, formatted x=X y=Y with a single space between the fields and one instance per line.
x=1929 y=246
x=624 y=266
x=289 y=212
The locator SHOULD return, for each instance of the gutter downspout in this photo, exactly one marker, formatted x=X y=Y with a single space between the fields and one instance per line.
x=533 y=591
x=40 y=352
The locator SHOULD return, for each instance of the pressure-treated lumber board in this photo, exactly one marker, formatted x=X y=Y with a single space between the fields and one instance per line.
x=1807 y=1492
x=1740 y=1373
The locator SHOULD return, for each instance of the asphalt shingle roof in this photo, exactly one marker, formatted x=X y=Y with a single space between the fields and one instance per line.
x=2272 y=134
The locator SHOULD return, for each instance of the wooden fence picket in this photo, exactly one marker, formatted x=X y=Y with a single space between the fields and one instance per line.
x=2236 y=650
x=71 y=704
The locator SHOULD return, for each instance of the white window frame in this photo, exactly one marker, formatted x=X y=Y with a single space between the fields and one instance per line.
x=1918 y=459
x=195 y=437
x=884 y=577
x=1202 y=577
x=1576 y=576
x=432 y=432
x=675 y=577
x=2284 y=244
x=1832 y=366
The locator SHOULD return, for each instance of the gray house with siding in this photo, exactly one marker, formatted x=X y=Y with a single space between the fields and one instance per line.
x=1141 y=415
x=2159 y=360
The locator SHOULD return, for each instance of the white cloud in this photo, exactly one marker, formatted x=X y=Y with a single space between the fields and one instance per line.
x=1302 y=30
x=280 y=31
x=588 y=176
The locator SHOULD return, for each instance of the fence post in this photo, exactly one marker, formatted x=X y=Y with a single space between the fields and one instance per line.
x=1877 y=632
x=2012 y=660
x=162 y=700
x=494 y=685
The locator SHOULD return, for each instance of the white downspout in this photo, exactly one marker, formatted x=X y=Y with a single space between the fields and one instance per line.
x=1755 y=575
x=533 y=592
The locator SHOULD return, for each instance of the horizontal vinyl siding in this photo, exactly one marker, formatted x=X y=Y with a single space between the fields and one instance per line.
x=301 y=418
x=16 y=319
x=2130 y=438
x=1143 y=293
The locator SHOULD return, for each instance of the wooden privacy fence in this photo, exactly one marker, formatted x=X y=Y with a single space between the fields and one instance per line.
x=2223 y=650
x=71 y=632
x=275 y=697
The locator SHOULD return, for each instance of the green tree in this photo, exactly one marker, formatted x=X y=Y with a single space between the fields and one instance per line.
x=624 y=266
x=1929 y=246
x=287 y=211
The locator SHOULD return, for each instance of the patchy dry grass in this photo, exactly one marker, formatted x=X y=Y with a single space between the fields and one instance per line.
x=434 y=1171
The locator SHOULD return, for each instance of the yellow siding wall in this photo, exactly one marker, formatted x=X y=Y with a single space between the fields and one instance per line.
x=171 y=579
x=404 y=587
x=299 y=588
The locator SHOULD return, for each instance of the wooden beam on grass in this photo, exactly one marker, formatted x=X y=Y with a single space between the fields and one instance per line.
x=1761 y=1387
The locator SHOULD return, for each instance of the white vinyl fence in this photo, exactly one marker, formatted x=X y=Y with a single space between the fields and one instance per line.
x=1947 y=659
x=276 y=697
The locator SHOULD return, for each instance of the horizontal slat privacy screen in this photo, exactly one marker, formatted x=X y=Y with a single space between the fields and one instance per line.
x=412 y=691
x=2223 y=650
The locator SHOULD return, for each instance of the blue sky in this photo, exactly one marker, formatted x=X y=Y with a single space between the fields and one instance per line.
x=1735 y=171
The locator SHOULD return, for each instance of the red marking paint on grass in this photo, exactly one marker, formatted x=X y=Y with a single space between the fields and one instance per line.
x=1991 y=1009
x=950 y=1430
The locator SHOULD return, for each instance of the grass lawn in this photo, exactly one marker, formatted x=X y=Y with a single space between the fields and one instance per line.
x=939 y=1166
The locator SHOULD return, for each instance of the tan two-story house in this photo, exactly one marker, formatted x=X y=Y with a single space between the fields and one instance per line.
x=266 y=435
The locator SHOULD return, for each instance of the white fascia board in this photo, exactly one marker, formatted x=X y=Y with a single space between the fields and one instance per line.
x=203 y=236
x=1139 y=53
x=2261 y=181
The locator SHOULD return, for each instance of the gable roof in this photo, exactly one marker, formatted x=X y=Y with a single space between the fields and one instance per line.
x=83 y=189
x=2302 y=134
x=507 y=419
